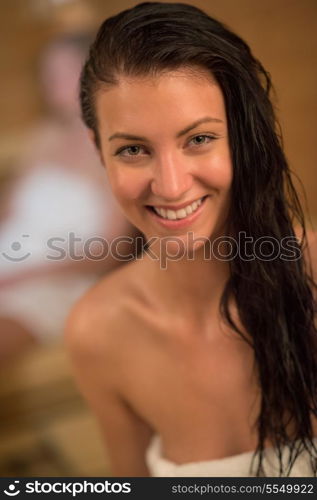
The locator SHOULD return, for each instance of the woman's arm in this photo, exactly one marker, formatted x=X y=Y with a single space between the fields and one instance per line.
x=125 y=434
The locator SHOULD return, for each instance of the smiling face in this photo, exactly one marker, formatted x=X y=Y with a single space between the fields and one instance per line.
x=164 y=142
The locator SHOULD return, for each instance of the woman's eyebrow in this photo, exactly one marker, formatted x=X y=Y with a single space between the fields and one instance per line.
x=120 y=135
x=206 y=119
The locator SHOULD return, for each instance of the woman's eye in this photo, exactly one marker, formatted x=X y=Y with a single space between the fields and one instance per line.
x=200 y=140
x=133 y=150
x=136 y=150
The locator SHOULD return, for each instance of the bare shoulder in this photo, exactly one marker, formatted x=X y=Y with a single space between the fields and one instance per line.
x=103 y=310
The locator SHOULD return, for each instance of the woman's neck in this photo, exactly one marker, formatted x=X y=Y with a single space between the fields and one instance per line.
x=188 y=285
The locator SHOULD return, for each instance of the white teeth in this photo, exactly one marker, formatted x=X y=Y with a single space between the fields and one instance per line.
x=181 y=213
x=163 y=212
x=178 y=214
x=189 y=210
x=171 y=215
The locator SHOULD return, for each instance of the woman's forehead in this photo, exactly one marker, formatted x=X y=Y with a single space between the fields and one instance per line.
x=179 y=94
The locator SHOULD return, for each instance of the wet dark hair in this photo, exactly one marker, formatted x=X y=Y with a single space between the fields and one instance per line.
x=274 y=297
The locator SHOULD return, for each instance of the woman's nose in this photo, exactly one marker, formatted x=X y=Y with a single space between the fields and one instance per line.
x=171 y=179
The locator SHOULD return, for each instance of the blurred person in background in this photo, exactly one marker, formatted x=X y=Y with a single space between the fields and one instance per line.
x=55 y=212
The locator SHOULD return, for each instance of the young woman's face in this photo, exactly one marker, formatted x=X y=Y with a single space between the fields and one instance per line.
x=164 y=142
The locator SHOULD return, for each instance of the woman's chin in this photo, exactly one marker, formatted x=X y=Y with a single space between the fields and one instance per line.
x=180 y=247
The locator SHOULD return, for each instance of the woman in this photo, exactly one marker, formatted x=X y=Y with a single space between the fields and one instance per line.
x=199 y=356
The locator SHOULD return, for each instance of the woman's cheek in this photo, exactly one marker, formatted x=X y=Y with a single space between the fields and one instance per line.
x=128 y=185
x=218 y=172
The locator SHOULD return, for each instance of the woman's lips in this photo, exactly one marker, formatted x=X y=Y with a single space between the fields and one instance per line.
x=178 y=223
